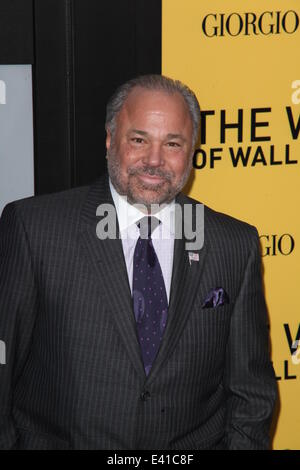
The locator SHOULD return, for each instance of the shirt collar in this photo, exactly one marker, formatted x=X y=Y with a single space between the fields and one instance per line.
x=129 y=214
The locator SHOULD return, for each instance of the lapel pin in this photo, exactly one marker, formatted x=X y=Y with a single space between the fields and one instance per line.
x=193 y=257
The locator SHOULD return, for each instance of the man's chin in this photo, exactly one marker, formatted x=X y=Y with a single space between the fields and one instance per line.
x=148 y=197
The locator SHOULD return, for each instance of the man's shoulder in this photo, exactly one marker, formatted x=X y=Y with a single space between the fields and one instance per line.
x=58 y=201
x=67 y=195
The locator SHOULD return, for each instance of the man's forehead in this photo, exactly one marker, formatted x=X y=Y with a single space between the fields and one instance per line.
x=141 y=97
x=140 y=93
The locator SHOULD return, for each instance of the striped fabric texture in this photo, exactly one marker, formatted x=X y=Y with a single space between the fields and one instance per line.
x=74 y=375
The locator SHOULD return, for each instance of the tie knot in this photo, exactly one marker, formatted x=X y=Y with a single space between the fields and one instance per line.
x=147 y=225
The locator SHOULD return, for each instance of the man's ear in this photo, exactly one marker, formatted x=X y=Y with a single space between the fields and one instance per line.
x=108 y=138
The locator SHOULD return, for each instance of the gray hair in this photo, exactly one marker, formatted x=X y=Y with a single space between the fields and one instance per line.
x=157 y=83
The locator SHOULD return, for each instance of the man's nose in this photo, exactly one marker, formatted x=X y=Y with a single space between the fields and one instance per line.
x=154 y=156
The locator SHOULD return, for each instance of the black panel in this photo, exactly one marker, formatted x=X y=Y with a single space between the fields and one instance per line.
x=114 y=41
x=148 y=36
x=104 y=57
x=83 y=51
x=16 y=32
x=53 y=157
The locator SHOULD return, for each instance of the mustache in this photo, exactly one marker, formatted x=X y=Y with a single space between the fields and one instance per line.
x=148 y=170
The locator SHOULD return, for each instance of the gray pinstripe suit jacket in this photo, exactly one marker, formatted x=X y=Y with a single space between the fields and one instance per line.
x=74 y=377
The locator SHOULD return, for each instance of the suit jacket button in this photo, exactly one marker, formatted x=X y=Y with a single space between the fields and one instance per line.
x=145 y=395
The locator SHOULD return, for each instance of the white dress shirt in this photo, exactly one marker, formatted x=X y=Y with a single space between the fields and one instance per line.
x=162 y=236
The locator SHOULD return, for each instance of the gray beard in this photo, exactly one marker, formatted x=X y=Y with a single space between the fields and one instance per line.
x=161 y=196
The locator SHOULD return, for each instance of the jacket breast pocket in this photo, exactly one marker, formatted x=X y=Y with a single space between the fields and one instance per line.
x=207 y=335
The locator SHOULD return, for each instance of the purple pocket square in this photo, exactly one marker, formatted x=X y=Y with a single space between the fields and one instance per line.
x=215 y=298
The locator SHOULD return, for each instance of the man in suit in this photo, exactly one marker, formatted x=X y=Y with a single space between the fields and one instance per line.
x=133 y=341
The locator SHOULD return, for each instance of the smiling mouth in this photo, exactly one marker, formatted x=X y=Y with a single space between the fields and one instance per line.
x=154 y=179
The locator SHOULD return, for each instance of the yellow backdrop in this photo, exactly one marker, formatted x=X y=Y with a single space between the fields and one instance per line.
x=243 y=61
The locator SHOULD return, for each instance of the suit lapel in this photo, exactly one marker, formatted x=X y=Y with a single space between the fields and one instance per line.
x=185 y=284
x=107 y=261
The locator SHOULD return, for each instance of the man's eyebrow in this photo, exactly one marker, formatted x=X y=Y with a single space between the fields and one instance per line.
x=176 y=136
x=137 y=131
x=145 y=134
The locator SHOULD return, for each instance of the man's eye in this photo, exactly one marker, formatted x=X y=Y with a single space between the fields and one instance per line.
x=137 y=140
x=173 y=144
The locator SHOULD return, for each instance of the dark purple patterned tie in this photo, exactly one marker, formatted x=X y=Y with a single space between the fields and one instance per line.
x=150 y=302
